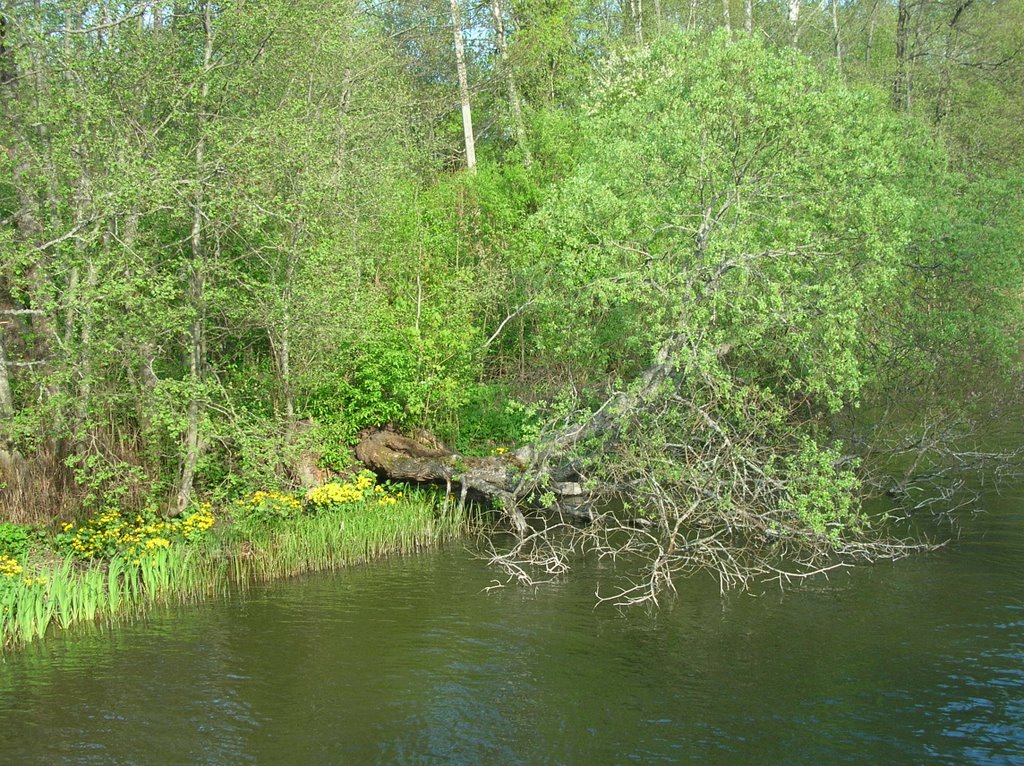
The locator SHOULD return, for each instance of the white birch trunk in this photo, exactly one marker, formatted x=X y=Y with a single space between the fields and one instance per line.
x=460 y=66
x=6 y=400
x=836 y=36
x=794 y=21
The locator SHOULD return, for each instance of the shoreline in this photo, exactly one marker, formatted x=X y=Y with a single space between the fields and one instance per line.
x=57 y=592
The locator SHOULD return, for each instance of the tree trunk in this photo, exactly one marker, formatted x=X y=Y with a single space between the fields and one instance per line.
x=284 y=365
x=793 y=18
x=78 y=322
x=6 y=400
x=636 y=13
x=85 y=370
x=748 y=21
x=460 y=66
x=869 y=44
x=514 y=102
x=901 y=83
x=197 y=345
x=837 y=41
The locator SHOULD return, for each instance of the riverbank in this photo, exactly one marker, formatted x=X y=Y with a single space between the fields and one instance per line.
x=111 y=567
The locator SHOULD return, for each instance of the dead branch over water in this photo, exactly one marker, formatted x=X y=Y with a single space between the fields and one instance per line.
x=656 y=480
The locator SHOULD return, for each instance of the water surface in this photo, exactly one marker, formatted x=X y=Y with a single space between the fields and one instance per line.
x=412 y=662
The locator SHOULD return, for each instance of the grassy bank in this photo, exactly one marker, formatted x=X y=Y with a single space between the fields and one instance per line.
x=110 y=567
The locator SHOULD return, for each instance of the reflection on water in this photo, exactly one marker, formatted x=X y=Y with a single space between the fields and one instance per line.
x=412 y=662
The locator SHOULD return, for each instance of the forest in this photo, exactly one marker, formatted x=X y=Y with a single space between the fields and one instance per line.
x=726 y=269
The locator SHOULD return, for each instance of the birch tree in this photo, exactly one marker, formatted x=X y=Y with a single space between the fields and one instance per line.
x=514 y=100
x=793 y=18
x=460 y=67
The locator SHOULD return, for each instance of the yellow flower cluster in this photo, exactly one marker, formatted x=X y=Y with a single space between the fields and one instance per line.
x=278 y=501
x=363 y=488
x=348 y=493
x=11 y=570
x=266 y=507
x=196 y=524
x=258 y=498
x=110 y=532
x=9 y=567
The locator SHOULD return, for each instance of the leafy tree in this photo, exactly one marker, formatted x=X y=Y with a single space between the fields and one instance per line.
x=738 y=237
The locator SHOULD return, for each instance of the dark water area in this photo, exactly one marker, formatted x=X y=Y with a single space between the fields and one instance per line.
x=412 y=662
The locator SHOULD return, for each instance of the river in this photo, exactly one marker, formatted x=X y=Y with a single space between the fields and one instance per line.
x=412 y=662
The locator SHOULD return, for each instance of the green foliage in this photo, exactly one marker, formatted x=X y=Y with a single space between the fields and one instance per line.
x=385 y=384
x=492 y=417
x=820 y=494
x=964 y=302
x=105 y=481
x=764 y=202
x=17 y=539
x=331 y=438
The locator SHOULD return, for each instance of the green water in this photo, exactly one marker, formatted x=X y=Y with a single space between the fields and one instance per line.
x=920 y=661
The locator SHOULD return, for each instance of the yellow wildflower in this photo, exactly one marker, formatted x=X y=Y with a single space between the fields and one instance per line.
x=9 y=567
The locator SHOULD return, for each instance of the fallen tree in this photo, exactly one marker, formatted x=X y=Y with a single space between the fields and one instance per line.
x=695 y=490
x=754 y=246
x=550 y=465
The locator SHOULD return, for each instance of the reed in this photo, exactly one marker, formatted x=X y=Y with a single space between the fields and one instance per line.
x=63 y=593
x=340 y=537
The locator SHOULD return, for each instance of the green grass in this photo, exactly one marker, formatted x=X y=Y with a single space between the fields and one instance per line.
x=67 y=592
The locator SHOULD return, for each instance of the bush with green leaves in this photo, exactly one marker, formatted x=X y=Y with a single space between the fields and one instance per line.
x=491 y=417
x=17 y=539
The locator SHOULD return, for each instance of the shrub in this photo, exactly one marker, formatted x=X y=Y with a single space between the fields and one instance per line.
x=16 y=539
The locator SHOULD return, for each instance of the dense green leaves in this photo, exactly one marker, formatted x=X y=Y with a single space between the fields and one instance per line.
x=738 y=196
